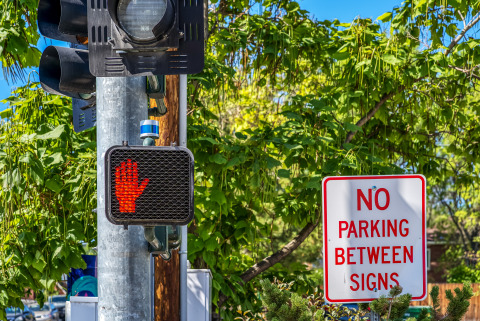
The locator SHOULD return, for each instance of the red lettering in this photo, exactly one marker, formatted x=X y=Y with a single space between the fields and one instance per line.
x=373 y=228
x=373 y=254
x=403 y=231
x=392 y=227
x=349 y=255
x=361 y=253
x=361 y=196
x=395 y=254
x=382 y=281
x=394 y=279
x=363 y=226
x=341 y=229
x=407 y=253
x=339 y=253
x=352 y=230
x=371 y=286
x=385 y=254
x=387 y=199
x=354 y=281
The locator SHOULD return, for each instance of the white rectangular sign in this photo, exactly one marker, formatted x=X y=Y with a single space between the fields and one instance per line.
x=374 y=236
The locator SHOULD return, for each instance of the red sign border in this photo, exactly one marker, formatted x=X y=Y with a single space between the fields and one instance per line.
x=325 y=244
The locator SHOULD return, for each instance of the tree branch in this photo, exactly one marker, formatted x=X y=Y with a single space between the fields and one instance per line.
x=465 y=71
x=451 y=212
x=369 y=115
x=273 y=259
x=462 y=33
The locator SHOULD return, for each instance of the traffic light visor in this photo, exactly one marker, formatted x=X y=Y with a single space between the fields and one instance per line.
x=64 y=20
x=64 y=71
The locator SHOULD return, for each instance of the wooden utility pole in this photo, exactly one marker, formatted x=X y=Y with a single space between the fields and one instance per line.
x=167 y=273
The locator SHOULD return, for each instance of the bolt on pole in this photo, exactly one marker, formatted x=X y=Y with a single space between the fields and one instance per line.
x=124 y=289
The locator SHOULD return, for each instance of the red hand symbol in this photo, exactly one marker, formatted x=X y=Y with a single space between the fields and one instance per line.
x=127 y=189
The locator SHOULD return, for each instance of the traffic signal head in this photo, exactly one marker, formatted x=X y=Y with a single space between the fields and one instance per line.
x=64 y=71
x=149 y=185
x=64 y=20
x=145 y=37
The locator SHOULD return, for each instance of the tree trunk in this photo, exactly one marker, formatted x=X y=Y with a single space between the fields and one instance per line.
x=167 y=273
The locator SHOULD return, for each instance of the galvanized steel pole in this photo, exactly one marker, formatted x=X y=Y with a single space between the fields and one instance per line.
x=124 y=289
x=182 y=135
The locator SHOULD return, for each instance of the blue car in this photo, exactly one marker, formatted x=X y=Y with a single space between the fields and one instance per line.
x=17 y=314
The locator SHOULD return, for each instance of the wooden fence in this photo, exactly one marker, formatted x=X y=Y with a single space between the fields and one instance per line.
x=473 y=313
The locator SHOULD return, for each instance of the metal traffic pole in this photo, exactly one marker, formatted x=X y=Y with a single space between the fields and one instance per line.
x=123 y=258
x=374 y=316
x=182 y=135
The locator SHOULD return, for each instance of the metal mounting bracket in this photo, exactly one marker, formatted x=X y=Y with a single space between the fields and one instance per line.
x=156 y=91
x=162 y=240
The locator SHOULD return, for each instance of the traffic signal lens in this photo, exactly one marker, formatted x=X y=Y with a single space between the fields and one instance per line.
x=138 y=17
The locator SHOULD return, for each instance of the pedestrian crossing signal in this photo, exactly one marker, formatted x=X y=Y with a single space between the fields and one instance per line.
x=149 y=186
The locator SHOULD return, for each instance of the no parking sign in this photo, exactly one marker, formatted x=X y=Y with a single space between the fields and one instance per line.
x=374 y=230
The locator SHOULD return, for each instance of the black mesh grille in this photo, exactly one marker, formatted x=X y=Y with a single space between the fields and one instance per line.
x=149 y=185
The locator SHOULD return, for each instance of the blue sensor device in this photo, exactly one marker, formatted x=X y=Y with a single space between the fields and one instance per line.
x=149 y=128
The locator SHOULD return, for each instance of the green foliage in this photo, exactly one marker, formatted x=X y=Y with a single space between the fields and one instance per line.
x=47 y=192
x=461 y=266
x=284 y=305
x=458 y=303
x=280 y=303
x=18 y=37
x=393 y=306
x=425 y=315
x=462 y=273
x=284 y=101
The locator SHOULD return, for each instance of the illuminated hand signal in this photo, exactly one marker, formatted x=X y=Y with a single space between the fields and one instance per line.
x=127 y=189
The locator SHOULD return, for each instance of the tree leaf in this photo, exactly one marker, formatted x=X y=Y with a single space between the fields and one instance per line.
x=56 y=133
x=387 y=16
x=39 y=262
x=272 y=162
x=55 y=159
x=218 y=158
x=284 y=173
x=217 y=195
x=53 y=185
x=391 y=59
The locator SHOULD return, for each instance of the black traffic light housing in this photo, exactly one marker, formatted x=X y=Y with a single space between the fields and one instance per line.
x=64 y=20
x=176 y=45
x=65 y=71
x=148 y=185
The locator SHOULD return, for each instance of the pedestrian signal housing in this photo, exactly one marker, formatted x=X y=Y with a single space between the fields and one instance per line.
x=149 y=186
x=146 y=37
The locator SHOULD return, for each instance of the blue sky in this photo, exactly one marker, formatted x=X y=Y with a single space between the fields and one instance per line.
x=347 y=10
x=343 y=10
